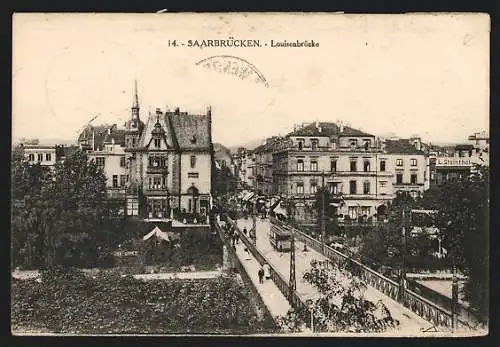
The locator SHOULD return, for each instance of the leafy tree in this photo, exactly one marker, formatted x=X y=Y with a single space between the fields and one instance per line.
x=323 y=199
x=223 y=181
x=59 y=208
x=341 y=305
x=463 y=219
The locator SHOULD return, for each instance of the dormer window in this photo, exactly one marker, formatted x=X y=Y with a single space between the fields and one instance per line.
x=157 y=143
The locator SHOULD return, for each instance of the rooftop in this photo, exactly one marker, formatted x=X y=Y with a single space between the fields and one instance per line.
x=327 y=129
x=401 y=146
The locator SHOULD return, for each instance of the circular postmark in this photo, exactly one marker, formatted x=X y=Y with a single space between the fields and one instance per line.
x=231 y=65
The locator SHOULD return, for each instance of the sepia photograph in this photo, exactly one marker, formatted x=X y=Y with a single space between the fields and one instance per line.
x=250 y=174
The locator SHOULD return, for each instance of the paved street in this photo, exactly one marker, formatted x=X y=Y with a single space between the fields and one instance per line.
x=410 y=323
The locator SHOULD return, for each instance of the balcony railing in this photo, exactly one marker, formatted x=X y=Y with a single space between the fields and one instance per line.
x=157 y=169
x=117 y=193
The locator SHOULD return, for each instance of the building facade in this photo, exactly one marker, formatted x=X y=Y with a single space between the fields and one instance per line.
x=343 y=159
x=161 y=167
x=408 y=163
x=40 y=154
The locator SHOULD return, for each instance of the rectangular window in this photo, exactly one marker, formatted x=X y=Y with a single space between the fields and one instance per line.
x=123 y=180
x=314 y=165
x=48 y=157
x=366 y=187
x=40 y=157
x=314 y=145
x=193 y=175
x=367 y=145
x=413 y=179
x=300 y=188
x=115 y=181
x=353 y=165
x=353 y=212
x=31 y=157
x=122 y=161
x=352 y=187
x=399 y=178
x=193 y=161
x=333 y=165
x=133 y=142
x=366 y=165
x=413 y=162
x=365 y=210
x=382 y=165
x=157 y=182
x=314 y=188
x=157 y=143
x=301 y=144
x=190 y=207
x=399 y=162
x=100 y=161
x=333 y=187
x=334 y=144
x=300 y=165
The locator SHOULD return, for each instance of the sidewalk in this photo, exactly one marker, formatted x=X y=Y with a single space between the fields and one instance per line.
x=275 y=301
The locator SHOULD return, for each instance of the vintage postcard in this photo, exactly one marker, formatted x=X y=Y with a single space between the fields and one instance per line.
x=250 y=174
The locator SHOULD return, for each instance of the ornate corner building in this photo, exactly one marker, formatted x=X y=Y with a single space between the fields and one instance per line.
x=162 y=167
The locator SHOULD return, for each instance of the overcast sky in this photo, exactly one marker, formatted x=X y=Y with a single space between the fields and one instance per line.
x=401 y=74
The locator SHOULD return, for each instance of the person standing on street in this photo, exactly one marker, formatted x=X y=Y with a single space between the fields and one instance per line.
x=261 y=275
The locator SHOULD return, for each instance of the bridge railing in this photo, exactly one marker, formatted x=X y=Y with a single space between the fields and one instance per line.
x=416 y=303
x=245 y=277
x=293 y=297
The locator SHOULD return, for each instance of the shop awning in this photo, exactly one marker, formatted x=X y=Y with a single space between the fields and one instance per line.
x=280 y=210
x=248 y=196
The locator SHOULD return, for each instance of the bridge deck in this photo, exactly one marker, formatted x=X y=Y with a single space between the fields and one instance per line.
x=410 y=323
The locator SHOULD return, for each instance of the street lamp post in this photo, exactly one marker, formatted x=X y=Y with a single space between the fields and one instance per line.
x=292 y=282
x=254 y=225
x=454 y=299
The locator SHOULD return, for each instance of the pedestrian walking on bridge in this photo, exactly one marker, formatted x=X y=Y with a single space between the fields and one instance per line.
x=267 y=271
x=261 y=275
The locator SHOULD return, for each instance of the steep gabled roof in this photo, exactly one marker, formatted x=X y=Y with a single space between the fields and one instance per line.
x=327 y=129
x=401 y=146
x=191 y=131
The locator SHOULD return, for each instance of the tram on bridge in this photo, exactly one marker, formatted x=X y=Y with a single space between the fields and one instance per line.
x=281 y=240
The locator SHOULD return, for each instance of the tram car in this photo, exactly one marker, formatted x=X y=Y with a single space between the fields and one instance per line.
x=280 y=239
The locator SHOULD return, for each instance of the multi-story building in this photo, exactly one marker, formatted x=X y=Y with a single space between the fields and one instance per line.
x=161 y=167
x=170 y=162
x=41 y=154
x=405 y=159
x=111 y=157
x=459 y=161
x=222 y=157
x=344 y=159
x=264 y=166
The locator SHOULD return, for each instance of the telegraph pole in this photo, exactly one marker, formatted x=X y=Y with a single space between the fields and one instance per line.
x=403 y=257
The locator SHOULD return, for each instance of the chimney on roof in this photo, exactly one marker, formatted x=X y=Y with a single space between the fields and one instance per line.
x=340 y=125
x=177 y=111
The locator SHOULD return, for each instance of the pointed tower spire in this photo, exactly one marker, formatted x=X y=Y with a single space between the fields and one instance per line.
x=136 y=97
x=135 y=104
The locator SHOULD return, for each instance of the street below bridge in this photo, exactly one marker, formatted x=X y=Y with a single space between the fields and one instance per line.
x=410 y=323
